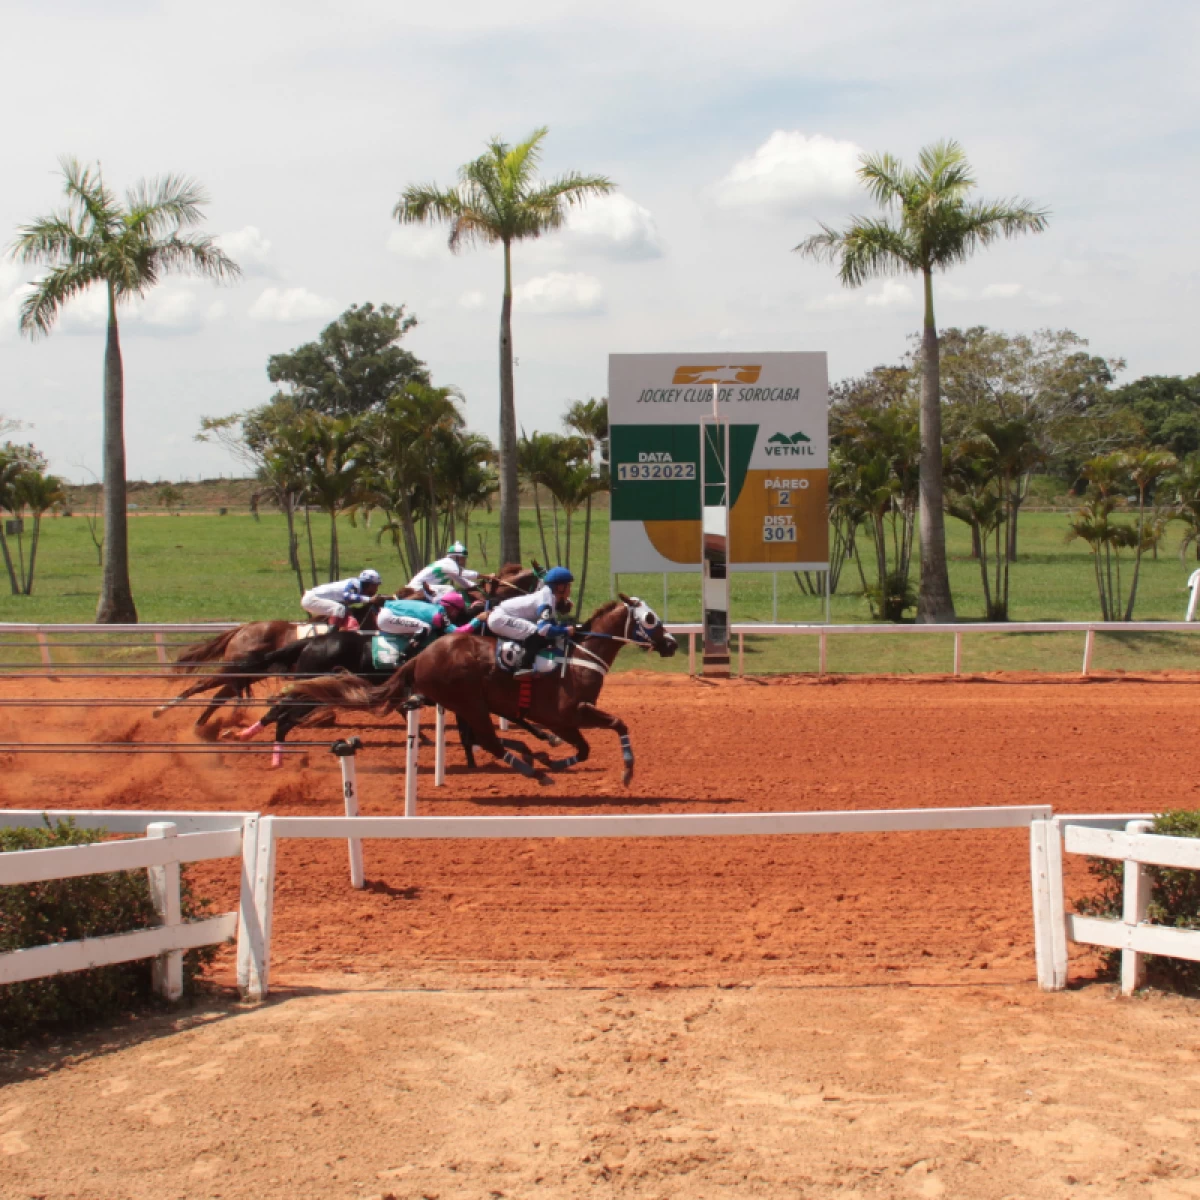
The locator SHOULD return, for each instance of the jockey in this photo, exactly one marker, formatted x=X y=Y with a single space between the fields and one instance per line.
x=332 y=601
x=446 y=575
x=534 y=619
x=419 y=621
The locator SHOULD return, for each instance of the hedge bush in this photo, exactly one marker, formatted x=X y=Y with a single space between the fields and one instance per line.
x=1174 y=901
x=64 y=910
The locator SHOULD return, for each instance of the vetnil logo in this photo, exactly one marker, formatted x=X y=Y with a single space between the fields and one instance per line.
x=791 y=445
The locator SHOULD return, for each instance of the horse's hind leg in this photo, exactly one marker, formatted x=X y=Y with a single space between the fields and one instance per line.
x=543 y=735
x=582 y=751
x=591 y=717
x=484 y=733
x=468 y=740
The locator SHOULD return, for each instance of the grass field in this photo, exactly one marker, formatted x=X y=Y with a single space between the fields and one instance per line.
x=211 y=568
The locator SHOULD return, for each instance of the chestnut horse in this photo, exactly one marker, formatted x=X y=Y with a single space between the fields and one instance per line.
x=257 y=639
x=459 y=672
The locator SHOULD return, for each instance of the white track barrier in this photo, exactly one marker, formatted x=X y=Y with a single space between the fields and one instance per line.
x=439 y=749
x=1127 y=838
x=411 y=747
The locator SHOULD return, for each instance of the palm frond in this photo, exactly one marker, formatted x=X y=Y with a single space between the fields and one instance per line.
x=946 y=171
x=884 y=177
x=87 y=194
x=517 y=163
x=52 y=239
x=41 y=306
x=427 y=204
x=195 y=254
x=161 y=206
x=873 y=248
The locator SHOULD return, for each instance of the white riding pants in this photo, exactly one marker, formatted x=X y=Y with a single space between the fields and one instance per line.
x=504 y=625
x=317 y=606
x=398 y=626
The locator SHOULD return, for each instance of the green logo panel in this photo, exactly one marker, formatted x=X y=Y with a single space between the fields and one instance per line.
x=655 y=472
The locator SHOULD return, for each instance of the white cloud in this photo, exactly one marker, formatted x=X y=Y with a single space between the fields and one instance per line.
x=284 y=305
x=893 y=294
x=561 y=293
x=1014 y=291
x=249 y=249
x=793 y=172
x=471 y=300
x=616 y=227
x=418 y=243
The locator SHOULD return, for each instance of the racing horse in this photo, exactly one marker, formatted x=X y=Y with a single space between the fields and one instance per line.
x=257 y=639
x=461 y=674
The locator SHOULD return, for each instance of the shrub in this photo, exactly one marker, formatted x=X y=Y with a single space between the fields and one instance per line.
x=63 y=910
x=1174 y=901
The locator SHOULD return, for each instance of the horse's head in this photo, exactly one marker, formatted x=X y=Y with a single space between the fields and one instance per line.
x=645 y=627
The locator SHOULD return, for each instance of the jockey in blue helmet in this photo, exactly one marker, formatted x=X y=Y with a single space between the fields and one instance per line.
x=332 y=601
x=534 y=620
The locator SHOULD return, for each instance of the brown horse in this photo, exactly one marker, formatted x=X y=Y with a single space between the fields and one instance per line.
x=257 y=639
x=460 y=673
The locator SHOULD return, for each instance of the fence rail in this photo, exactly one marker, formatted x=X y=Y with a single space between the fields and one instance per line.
x=160 y=853
x=740 y=630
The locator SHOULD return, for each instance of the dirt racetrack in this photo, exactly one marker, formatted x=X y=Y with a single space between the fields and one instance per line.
x=782 y=938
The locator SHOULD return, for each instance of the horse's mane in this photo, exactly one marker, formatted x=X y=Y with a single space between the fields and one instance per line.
x=603 y=611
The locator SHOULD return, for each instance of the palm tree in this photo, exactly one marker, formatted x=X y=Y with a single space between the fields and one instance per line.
x=1145 y=468
x=126 y=248
x=38 y=493
x=928 y=225
x=500 y=199
x=589 y=419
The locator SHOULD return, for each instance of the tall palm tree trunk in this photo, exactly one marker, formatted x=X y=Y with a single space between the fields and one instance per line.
x=934 y=603
x=33 y=547
x=8 y=562
x=1137 y=562
x=116 y=596
x=510 y=496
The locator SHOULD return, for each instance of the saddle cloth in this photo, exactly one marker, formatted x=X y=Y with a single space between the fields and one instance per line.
x=311 y=629
x=387 y=650
x=509 y=655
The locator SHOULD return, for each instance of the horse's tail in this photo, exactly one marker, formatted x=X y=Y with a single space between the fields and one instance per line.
x=390 y=695
x=343 y=689
x=191 y=658
x=254 y=667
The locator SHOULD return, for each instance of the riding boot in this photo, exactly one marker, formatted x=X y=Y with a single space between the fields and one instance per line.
x=415 y=645
x=530 y=648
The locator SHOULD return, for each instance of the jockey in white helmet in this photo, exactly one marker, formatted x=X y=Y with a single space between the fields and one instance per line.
x=448 y=574
x=332 y=601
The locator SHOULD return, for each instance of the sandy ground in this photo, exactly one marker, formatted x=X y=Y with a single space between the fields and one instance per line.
x=675 y=1017
x=883 y=1092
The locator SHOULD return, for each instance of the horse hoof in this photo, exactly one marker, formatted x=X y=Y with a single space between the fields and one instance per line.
x=544 y=779
x=626 y=776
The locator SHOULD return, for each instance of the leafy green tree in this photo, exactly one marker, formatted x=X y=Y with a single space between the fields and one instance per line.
x=589 y=419
x=929 y=225
x=1145 y=469
x=1185 y=484
x=125 y=248
x=37 y=493
x=1167 y=409
x=355 y=364
x=499 y=199
x=333 y=470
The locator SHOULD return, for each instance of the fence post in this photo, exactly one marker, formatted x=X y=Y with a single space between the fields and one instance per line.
x=1136 y=902
x=1089 y=642
x=439 y=749
x=44 y=647
x=160 y=647
x=1049 y=919
x=822 y=651
x=741 y=654
x=249 y=938
x=264 y=903
x=164 y=893
x=410 y=762
x=345 y=752
x=691 y=653
x=958 y=652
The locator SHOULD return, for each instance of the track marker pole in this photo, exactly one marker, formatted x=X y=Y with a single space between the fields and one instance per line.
x=410 y=762
x=958 y=652
x=345 y=752
x=1089 y=643
x=160 y=647
x=822 y=647
x=439 y=749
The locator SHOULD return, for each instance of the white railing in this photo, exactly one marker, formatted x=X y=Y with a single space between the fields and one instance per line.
x=824 y=632
x=160 y=853
x=741 y=630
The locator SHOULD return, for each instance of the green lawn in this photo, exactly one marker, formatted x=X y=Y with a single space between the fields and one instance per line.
x=210 y=568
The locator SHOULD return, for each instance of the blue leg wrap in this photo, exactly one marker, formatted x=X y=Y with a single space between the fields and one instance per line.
x=518 y=764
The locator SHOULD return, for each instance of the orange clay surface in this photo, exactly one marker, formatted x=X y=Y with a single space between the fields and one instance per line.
x=830 y=909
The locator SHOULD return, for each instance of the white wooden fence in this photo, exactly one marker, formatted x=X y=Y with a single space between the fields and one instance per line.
x=160 y=852
x=1126 y=838
x=741 y=630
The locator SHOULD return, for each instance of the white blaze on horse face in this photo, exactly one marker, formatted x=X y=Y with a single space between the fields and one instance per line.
x=644 y=615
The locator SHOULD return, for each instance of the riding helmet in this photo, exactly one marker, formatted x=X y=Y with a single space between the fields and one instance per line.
x=557 y=575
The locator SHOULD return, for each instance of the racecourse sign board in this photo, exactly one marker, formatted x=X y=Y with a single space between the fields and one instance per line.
x=776 y=408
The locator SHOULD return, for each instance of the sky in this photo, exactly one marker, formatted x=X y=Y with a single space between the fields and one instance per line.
x=730 y=131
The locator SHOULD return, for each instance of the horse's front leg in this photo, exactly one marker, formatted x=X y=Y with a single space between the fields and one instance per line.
x=591 y=717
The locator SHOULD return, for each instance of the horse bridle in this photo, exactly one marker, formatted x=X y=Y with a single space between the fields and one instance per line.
x=640 y=638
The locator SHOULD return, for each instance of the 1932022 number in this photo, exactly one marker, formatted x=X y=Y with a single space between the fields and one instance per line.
x=630 y=472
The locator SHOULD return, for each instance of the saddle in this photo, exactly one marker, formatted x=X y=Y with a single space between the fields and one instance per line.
x=510 y=655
